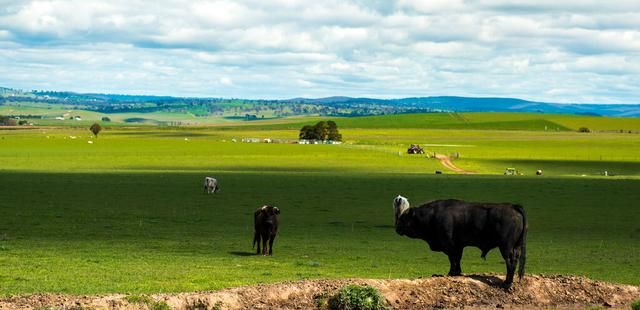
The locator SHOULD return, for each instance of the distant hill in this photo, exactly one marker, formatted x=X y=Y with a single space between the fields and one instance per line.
x=332 y=106
x=470 y=104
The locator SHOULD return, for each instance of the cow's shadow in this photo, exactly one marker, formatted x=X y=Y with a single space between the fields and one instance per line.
x=487 y=279
x=242 y=253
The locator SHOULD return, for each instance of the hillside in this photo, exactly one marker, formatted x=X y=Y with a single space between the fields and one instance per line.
x=330 y=106
x=473 y=121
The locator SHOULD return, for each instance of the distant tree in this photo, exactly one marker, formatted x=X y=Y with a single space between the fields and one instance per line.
x=333 y=134
x=106 y=119
x=22 y=122
x=308 y=132
x=322 y=130
x=584 y=129
x=7 y=121
x=95 y=128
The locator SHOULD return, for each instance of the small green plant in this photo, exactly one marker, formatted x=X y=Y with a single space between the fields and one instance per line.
x=217 y=306
x=635 y=305
x=199 y=305
x=355 y=297
x=151 y=304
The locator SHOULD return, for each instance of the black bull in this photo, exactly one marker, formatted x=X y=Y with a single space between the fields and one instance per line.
x=450 y=225
x=265 y=221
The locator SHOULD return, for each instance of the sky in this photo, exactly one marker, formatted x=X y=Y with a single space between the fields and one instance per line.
x=584 y=51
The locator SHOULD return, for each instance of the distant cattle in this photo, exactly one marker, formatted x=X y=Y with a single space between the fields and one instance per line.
x=450 y=225
x=211 y=185
x=538 y=172
x=265 y=220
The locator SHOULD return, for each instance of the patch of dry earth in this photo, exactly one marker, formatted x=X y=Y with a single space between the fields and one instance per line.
x=469 y=292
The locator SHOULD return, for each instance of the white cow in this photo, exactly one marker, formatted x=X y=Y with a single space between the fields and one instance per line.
x=211 y=185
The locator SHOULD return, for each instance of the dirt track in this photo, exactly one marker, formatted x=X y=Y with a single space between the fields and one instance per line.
x=471 y=292
x=446 y=161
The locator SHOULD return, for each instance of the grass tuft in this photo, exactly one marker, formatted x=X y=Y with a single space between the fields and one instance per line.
x=148 y=301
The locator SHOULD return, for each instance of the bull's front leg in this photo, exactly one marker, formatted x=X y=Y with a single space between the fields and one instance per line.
x=455 y=255
x=256 y=240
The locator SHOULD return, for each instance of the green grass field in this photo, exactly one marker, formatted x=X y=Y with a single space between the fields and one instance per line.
x=127 y=213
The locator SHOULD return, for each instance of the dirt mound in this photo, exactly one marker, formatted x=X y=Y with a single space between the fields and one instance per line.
x=473 y=291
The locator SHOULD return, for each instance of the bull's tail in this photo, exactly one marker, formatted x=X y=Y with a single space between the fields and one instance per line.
x=256 y=236
x=523 y=241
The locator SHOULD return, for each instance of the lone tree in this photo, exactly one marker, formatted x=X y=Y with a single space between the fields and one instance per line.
x=95 y=128
x=321 y=131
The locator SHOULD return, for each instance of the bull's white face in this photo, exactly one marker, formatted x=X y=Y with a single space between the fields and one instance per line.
x=400 y=205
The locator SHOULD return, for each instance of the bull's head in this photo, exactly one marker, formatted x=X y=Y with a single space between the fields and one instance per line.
x=400 y=205
x=269 y=210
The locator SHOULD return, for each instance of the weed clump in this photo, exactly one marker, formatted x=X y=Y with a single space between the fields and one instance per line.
x=355 y=297
x=148 y=301
x=635 y=305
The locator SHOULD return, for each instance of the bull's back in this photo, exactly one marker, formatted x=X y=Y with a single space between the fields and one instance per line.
x=485 y=225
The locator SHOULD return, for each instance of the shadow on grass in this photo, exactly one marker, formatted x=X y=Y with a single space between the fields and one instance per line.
x=242 y=253
x=384 y=226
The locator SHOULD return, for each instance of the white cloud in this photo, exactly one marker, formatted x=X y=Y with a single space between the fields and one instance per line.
x=226 y=81
x=542 y=50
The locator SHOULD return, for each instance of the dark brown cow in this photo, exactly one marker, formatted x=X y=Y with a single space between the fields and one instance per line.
x=450 y=225
x=265 y=221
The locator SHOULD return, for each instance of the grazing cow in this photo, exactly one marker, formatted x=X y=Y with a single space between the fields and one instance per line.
x=450 y=225
x=265 y=221
x=211 y=185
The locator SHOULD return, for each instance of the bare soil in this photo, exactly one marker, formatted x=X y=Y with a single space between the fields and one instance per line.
x=468 y=292
x=447 y=163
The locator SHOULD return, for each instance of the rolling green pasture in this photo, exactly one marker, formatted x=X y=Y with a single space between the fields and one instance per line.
x=460 y=121
x=127 y=213
x=49 y=112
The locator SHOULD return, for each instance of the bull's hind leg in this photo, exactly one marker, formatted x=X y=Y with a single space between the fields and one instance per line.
x=455 y=255
x=265 y=238
x=510 y=258
x=271 y=239
x=256 y=240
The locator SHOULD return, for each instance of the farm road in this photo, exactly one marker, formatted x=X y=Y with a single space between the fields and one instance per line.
x=446 y=161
